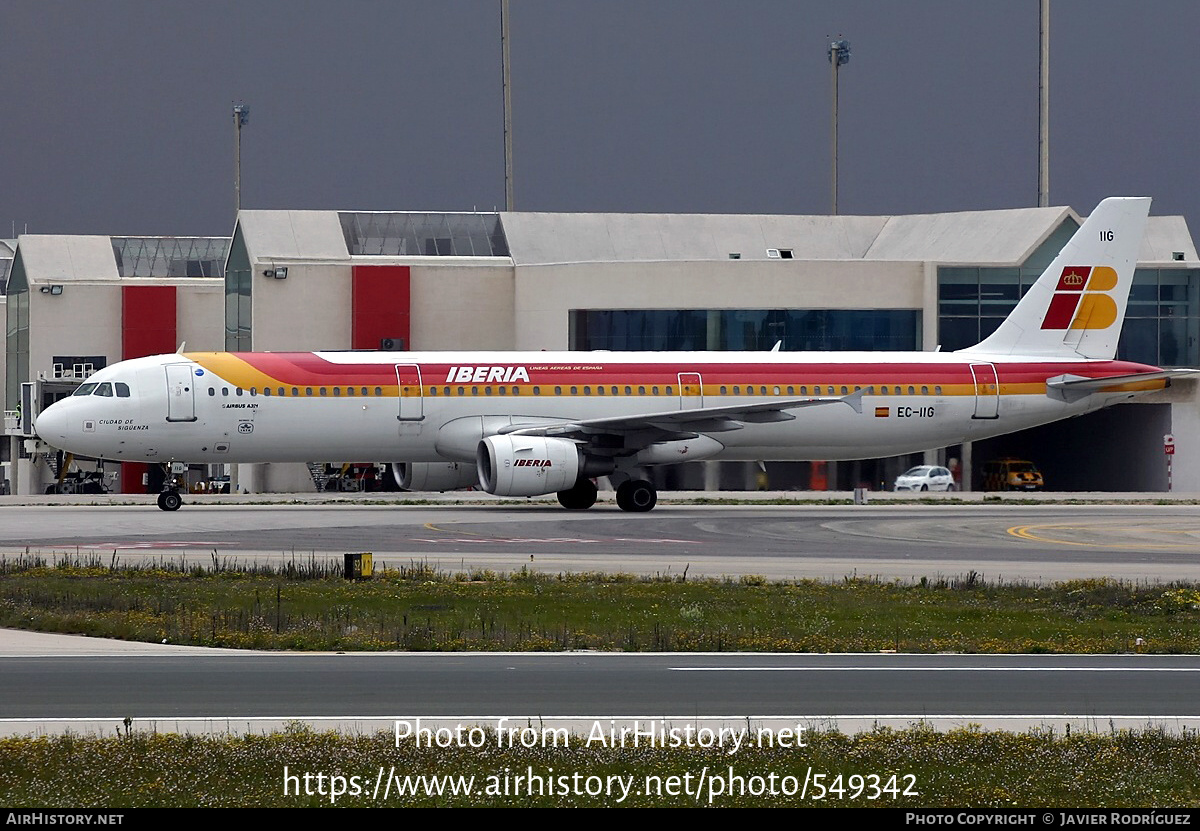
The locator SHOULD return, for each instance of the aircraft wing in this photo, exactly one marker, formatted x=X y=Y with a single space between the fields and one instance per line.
x=680 y=424
x=1074 y=387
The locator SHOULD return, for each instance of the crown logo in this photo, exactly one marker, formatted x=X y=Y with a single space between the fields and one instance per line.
x=1072 y=279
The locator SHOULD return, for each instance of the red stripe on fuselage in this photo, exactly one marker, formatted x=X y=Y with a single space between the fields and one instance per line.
x=309 y=369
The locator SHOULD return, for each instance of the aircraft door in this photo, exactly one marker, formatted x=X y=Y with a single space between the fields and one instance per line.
x=987 y=391
x=691 y=391
x=411 y=397
x=181 y=393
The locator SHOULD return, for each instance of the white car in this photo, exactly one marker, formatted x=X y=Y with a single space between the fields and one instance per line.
x=925 y=478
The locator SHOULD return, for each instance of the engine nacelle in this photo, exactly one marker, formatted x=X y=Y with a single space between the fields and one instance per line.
x=527 y=465
x=434 y=476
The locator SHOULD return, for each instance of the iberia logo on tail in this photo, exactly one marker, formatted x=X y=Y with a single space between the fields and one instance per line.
x=1081 y=299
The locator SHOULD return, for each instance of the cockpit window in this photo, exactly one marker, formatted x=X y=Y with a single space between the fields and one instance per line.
x=104 y=389
x=84 y=389
x=122 y=389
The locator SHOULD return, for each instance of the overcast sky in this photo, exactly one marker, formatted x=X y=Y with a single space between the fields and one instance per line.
x=118 y=116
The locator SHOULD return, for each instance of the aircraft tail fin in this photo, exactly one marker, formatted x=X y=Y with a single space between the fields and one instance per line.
x=1076 y=308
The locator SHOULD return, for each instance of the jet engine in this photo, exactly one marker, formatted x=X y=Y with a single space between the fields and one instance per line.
x=527 y=465
x=434 y=476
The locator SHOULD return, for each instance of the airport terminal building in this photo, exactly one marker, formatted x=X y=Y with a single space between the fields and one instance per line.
x=339 y=280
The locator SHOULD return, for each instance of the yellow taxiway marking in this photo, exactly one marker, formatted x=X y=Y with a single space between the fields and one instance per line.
x=433 y=527
x=1027 y=532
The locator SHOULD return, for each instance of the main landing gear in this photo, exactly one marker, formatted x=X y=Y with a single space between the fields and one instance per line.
x=169 y=499
x=579 y=497
x=635 y=495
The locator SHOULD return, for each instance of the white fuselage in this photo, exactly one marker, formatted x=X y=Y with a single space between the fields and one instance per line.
x=431 y=407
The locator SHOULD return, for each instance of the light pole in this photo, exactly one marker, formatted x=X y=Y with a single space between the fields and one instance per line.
x=241 y=115
x=506 y=82
x=1044 y=104
x=839 y=53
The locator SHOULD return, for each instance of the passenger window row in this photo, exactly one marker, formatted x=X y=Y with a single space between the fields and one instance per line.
x=122 y=390
x=831 y=389
x=301 y=392
x=586 y=389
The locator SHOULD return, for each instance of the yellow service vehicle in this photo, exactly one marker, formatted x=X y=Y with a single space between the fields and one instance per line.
x=1011 y=475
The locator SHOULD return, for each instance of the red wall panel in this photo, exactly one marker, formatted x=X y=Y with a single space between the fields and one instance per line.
x=148 y=327
x=380 y=305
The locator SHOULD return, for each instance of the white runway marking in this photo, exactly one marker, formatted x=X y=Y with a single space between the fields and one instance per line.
x=935 y=669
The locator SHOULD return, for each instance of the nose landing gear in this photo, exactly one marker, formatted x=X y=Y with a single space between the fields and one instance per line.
x=169 y=499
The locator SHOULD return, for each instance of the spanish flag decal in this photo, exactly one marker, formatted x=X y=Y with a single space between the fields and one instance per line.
x=882 y=412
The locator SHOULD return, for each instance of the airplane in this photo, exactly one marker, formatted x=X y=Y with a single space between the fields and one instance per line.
x=535 y=423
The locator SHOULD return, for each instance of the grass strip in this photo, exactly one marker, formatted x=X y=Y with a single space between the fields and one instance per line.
x=968 y=767
x=306 y=605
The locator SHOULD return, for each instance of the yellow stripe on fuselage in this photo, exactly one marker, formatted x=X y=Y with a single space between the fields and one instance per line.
x=233 y=370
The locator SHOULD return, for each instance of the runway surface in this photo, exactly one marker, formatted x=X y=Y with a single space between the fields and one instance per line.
x=239 y=691
x=1015 y=542
x=79 y=684
x=597 y=684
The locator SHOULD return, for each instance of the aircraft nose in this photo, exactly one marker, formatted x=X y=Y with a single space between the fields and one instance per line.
x=51 y=423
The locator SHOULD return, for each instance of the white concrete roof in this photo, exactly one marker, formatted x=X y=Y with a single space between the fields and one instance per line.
x=1000 y=237
x=54 y=258
x=977 y=237
x=57 y=258
x=1166 y=235
x=557 y=238
x=293 y=235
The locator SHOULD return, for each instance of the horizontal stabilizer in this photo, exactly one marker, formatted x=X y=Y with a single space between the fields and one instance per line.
x=1071 y=388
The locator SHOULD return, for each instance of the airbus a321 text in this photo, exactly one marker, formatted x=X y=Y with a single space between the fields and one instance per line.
x=531 y=423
